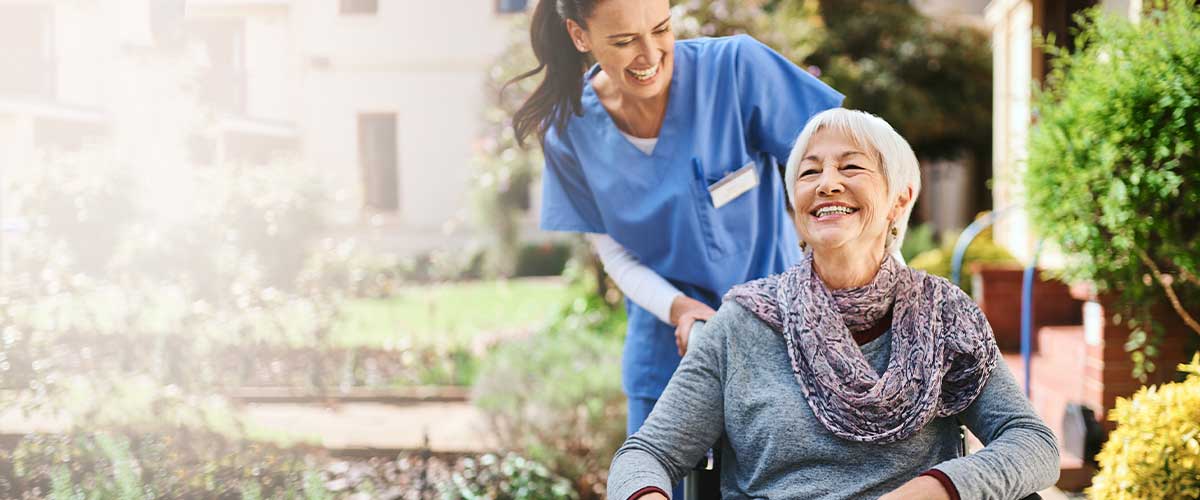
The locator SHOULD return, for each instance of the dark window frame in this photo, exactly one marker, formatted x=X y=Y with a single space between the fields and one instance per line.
x=358 y=7
x=379 y=167
x=224 y=84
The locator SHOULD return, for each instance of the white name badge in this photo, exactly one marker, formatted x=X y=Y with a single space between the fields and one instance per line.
x=733 y=185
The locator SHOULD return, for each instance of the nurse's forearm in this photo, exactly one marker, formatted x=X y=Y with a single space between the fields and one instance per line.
x=640 y=283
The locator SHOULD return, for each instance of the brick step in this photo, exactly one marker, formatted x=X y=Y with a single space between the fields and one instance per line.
x=1057 y=380
x=1073 y=474
x=1062 y=344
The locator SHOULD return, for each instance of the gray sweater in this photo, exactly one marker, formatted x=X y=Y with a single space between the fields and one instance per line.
x=736 y=380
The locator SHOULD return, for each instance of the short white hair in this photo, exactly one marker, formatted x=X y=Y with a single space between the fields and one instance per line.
x=895 y=156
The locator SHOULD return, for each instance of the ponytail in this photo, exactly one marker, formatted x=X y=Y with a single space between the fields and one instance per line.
x=558 y=96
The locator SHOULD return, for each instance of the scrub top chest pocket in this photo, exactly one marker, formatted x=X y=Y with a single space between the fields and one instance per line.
x=724 y=206
x=733 y=185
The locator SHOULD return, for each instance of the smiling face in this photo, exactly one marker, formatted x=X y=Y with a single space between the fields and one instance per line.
x=841 y=195
x=632 y=42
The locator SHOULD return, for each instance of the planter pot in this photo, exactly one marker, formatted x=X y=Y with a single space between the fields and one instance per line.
x=1109 y=366
x=997 y=290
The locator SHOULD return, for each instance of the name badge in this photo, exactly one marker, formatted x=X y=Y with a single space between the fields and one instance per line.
x=733 y=185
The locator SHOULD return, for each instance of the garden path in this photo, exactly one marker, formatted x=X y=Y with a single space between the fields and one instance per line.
x=450 y=427
x=359 y=427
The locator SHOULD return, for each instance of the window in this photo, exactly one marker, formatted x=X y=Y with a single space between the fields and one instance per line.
x=223 y=77
x=358 y=6
x=27 y=49
x=377 y=156
x=510 y=6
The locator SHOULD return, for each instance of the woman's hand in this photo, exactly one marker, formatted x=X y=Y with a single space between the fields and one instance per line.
x=684 y=312
x=920 y=488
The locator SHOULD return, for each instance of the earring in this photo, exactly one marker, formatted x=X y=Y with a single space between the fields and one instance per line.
x=803 y=246
x=895 y=232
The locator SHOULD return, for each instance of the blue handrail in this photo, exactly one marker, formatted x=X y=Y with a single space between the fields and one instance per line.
x=1027 y=312
x=956 y=262
x=968 y=235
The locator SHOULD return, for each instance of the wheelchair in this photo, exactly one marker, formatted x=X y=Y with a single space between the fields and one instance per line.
x=703 y=482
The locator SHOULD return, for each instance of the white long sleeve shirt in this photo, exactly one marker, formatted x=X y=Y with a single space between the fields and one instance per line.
x=640 y=283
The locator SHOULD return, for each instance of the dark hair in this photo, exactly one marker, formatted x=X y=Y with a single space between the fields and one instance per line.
x=558 y=96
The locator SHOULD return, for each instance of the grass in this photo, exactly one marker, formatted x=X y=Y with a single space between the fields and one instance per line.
x=450 y=315
x=446 y=317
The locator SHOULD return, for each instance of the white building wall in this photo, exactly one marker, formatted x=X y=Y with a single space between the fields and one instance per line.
x=424 y=61
x=272 y=90
x=85 y=48
x=309 y=69
x=1012 y=36
x=1011 y=22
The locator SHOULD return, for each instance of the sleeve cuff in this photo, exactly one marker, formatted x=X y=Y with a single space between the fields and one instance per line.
x=648 y=490
x=945 y=480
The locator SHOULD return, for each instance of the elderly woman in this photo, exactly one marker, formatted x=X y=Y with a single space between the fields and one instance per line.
x=848 y=375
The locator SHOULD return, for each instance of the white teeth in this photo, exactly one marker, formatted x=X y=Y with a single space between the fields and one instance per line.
x=834 y=209
x=645 y=74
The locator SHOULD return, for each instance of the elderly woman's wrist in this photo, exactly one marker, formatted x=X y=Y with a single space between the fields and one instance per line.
x=648 y=493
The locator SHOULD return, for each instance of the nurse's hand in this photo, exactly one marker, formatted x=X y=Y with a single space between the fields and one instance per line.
x=684 y=312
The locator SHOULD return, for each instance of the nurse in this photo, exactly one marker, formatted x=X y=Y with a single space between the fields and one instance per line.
x=666 y=153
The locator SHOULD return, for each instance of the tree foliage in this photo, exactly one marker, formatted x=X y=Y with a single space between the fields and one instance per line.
x=1113 y=175
x=933 y=82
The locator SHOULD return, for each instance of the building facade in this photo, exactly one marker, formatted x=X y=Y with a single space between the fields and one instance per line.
x=384 y=95
x=1018 y=66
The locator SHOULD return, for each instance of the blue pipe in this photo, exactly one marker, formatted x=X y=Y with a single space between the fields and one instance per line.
x=964 y=240
x=968 y=235
x=956 y=262
x=1027 y=313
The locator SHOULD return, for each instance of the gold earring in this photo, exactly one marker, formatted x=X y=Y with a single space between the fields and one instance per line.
x=803 y=245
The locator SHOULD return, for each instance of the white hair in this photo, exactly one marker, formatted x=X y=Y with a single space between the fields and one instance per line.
x=895 y=156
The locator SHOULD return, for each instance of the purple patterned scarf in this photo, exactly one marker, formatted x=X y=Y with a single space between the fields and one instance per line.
x=942 y=347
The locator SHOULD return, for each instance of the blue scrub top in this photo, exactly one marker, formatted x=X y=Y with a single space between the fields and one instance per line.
x=732 y=101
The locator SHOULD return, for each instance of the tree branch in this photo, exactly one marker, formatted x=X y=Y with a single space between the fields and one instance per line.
x=1187 y=277
x=1166 y=284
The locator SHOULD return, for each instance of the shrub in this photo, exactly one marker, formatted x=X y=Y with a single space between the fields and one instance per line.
x=542 y=259
x=919 y=239
x=1155 y=451
x=556 y=398
x=1113 y=175
x=175 y=463
x=510 y=477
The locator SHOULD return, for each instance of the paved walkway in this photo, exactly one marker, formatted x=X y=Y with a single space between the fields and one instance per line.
x=450 y=427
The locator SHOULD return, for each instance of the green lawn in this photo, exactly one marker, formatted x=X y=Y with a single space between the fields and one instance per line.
x=450 y=315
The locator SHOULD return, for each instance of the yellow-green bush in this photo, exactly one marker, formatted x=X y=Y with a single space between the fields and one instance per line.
x=936 y=261
x=1155 y=451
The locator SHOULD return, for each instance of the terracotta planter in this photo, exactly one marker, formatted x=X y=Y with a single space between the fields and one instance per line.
x=997 y=290
x=1109 y=367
